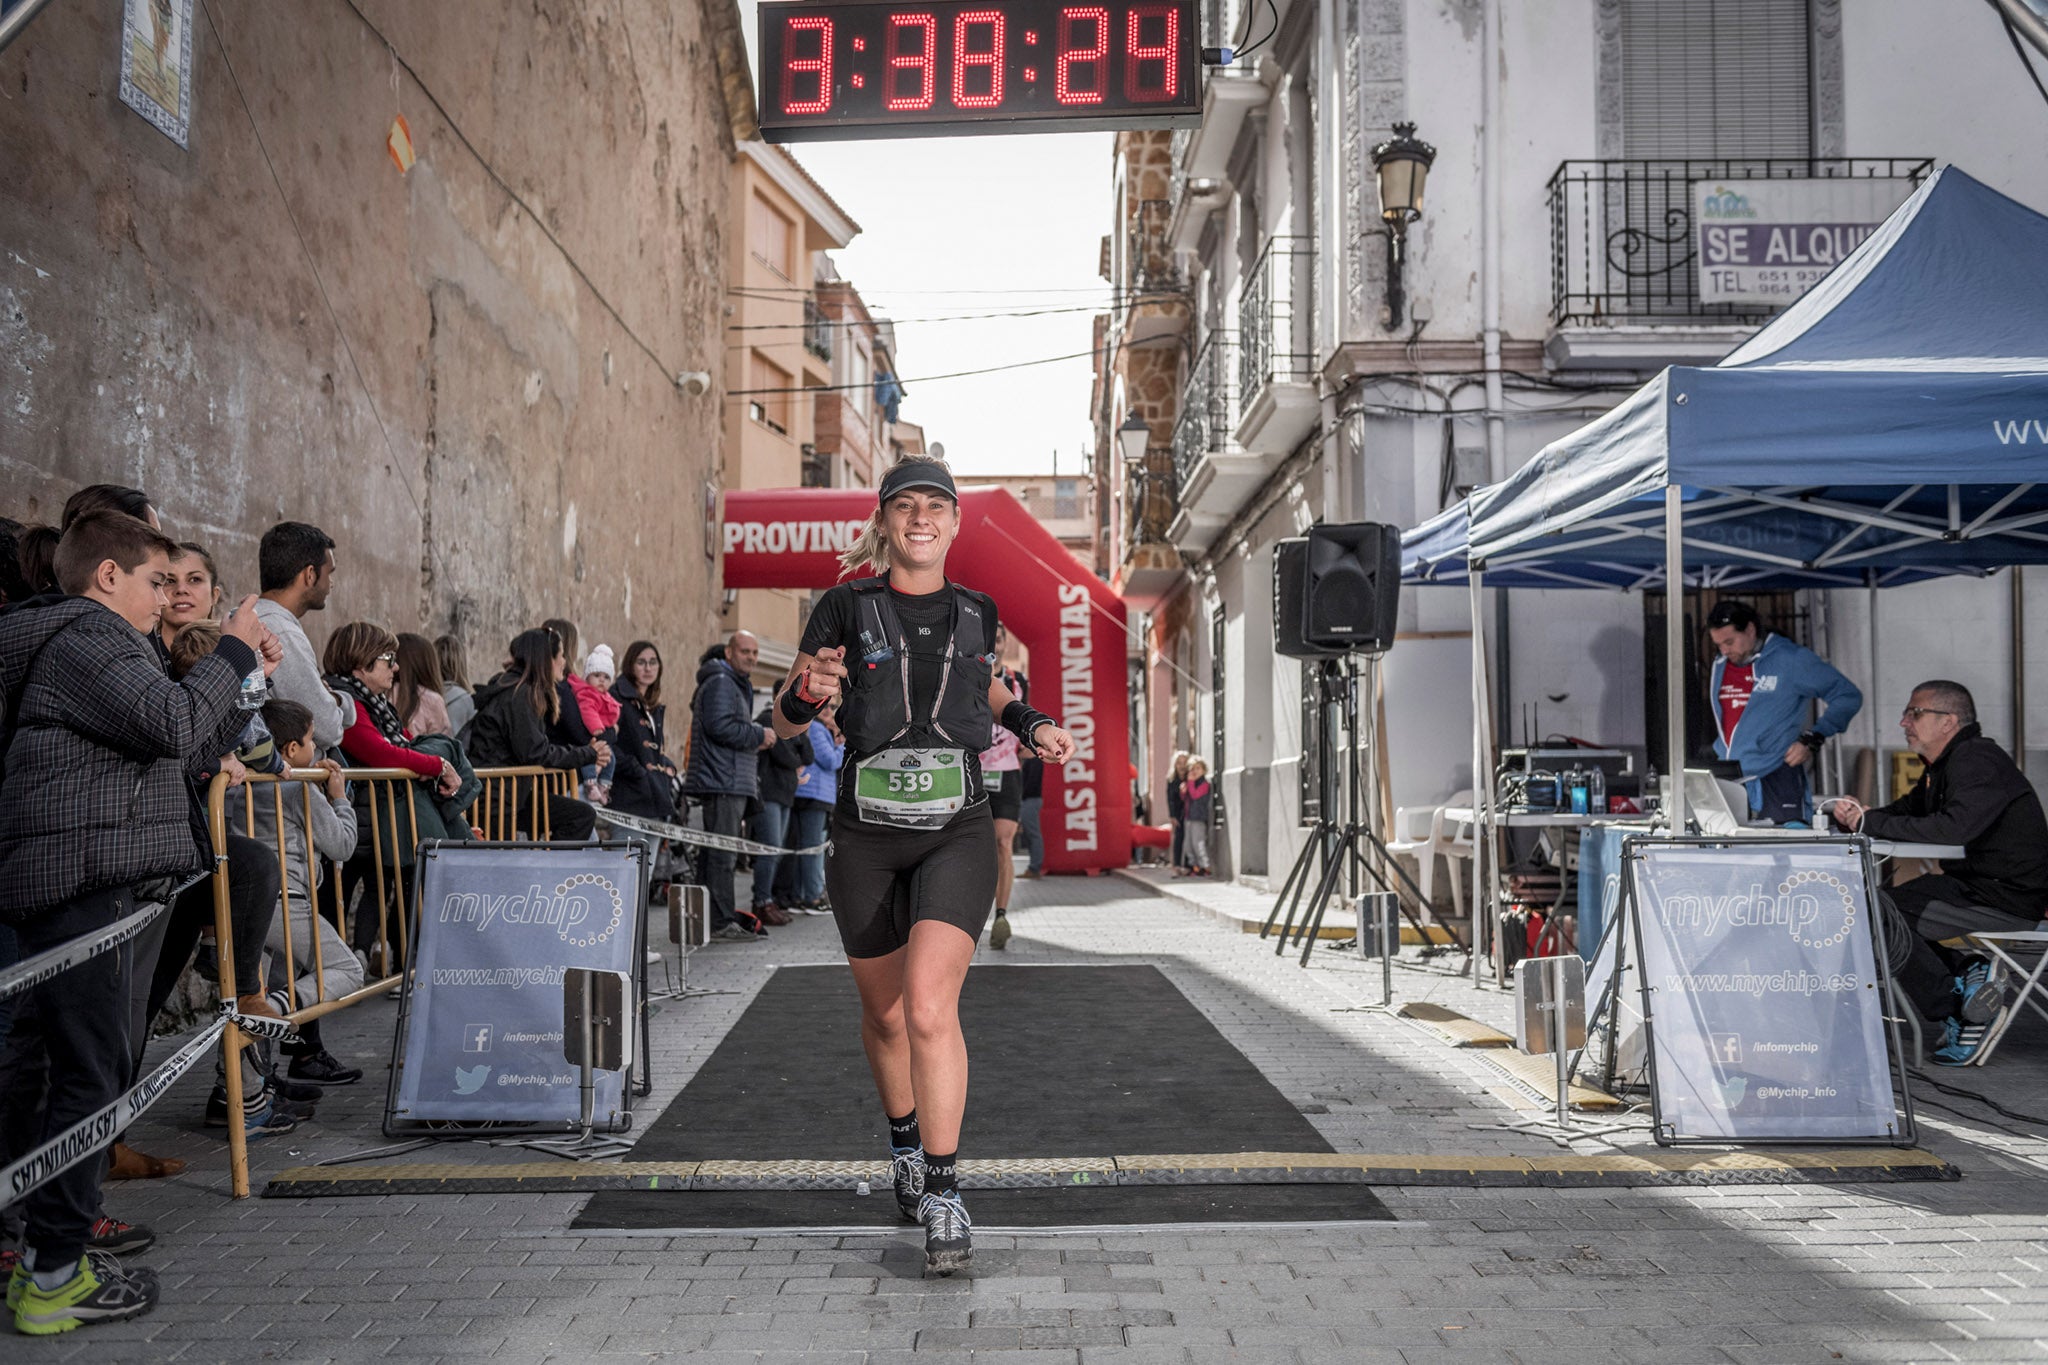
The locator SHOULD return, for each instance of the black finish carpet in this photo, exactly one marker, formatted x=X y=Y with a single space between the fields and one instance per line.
x=1067 y=1061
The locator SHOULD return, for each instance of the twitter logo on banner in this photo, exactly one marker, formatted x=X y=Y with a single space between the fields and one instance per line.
x=470 y=1079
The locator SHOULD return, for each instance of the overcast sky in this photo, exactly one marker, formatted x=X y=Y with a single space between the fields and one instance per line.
x=980 y=226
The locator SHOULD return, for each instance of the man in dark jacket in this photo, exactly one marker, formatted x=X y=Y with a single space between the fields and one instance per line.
x=94 y=816
x=1971 y=794
x=724 y=747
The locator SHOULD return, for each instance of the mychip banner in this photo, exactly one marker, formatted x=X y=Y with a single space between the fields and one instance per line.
x=481 y=1029
x=1763 y=990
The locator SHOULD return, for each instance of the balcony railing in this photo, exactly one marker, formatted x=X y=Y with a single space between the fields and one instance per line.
x=1150 y=501
x=1152 y=267
x=1208 y=409
x=1272 y=346
x=1622 y=246
x=817 y=330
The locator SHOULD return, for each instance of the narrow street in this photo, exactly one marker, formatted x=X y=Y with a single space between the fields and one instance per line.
x=1763 y=1273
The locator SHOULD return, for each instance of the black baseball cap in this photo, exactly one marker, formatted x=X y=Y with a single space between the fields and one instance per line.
x=908 y=474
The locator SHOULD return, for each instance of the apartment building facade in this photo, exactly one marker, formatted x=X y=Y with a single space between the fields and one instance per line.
x=1294 y=359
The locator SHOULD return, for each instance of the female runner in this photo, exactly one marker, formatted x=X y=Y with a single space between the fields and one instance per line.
x=912 y=871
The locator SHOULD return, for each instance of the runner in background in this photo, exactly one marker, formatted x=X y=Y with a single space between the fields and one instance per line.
x=911 y=875
x=1002 y=774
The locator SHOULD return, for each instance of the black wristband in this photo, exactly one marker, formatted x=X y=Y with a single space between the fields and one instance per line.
x=796 y=710
x=1020 y=720
x=1813 y=739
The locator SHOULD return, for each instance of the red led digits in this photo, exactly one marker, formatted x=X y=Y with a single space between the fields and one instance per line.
x=819 y=66
x=1139 y=88
x=1093 y=59
x=924 y=62
x=965 y=59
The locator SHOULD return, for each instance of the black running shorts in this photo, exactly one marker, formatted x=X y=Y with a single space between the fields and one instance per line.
x=1007 y=801
x=881 y=879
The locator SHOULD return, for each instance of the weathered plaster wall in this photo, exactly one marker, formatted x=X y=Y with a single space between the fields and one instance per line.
x=278 y=324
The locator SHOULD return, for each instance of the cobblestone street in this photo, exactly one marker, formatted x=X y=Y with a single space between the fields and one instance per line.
x=1899 y=1272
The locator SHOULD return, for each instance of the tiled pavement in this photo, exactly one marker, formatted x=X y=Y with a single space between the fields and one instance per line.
x=1752 y=1274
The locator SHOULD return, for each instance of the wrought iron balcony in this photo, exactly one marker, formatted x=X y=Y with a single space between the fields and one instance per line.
x=1272 y=318
x=1208 y=407
x=1622 y=245
x=817 y=330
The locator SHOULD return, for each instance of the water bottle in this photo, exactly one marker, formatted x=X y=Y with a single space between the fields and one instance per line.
x=1577 y=793
x=255 y=691
x=1596 y=782
x=1651 y=803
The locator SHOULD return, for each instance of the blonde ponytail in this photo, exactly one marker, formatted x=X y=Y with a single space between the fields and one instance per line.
x=870 y=549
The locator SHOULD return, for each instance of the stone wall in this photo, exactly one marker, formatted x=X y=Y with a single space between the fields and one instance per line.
x=464 y=372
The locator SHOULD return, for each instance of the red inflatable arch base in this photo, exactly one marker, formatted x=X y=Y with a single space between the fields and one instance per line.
x=1071 y=622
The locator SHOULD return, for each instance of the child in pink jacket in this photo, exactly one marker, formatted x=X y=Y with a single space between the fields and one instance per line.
x=600 y=712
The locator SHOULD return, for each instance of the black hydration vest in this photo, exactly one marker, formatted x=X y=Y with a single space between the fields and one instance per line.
x=878 y=713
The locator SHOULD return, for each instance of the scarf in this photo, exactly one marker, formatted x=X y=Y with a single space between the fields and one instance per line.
x=381 y=712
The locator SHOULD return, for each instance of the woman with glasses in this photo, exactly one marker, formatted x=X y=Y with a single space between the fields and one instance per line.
x=361 y=663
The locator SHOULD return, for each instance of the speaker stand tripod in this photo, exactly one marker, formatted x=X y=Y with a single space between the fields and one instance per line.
x=1335 y=848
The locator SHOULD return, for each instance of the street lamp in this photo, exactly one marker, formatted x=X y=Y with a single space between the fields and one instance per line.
x=1402 y=164
x=1135 y=436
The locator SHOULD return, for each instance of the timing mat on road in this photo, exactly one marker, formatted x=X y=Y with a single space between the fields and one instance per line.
x=1075 y=1069
x=1071 y=1066
x=1077 y=1177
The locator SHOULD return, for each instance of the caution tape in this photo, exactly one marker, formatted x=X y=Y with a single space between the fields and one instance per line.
x=260 y=1025
x=33 y=972
x=86 y=1138
x=725 y=843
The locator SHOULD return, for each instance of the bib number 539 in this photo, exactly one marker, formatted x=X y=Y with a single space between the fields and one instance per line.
x=910 y=782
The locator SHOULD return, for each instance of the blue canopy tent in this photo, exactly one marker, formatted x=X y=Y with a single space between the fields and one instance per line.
x=1890 y=425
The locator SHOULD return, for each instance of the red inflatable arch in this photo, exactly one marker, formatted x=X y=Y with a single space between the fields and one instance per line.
x=1071 y=622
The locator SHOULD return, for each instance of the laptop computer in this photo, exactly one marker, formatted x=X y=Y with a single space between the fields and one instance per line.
x=1706 y=801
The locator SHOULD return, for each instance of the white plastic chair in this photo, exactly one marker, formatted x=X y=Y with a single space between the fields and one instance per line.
x=1426 y=834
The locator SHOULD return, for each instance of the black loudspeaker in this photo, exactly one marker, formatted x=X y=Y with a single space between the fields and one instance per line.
x=1352 y=586
x=1290 y=602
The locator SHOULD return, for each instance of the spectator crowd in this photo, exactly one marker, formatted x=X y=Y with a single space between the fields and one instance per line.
x=133 y=679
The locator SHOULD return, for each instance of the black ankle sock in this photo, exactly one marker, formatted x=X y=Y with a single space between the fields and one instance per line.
x=903 y=1134
x=938 y=1173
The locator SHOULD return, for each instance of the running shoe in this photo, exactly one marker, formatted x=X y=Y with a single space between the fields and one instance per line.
x=10 y=1266
x=733 y=933
x=999 y=936
x=948 y=1234
x=1980 y=993
x=321 y=1068
x=117 y=1238
x=906 y=1170
x=1960 y=1042
x=102 y=1290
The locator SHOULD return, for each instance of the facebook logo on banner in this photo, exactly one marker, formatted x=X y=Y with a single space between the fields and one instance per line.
x=476 y=1038
x=1728 y=1048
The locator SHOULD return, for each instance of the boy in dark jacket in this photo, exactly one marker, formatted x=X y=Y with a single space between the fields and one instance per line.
x=777 y=771
x=93 y=815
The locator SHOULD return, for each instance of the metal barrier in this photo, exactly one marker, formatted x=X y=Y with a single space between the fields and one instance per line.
x=387 y=793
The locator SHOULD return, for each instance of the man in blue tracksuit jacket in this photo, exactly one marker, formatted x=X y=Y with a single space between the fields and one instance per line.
x=1761 y=688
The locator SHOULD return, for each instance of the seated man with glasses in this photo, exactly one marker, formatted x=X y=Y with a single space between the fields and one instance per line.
x=1971 y=794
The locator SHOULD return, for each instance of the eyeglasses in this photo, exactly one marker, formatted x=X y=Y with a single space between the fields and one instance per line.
x=1915 y=712
x=391 y=659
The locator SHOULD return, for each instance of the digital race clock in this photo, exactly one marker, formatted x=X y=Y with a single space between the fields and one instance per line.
x=863 y=68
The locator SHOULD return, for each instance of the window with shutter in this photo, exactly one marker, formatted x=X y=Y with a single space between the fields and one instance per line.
x=1715 y=78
